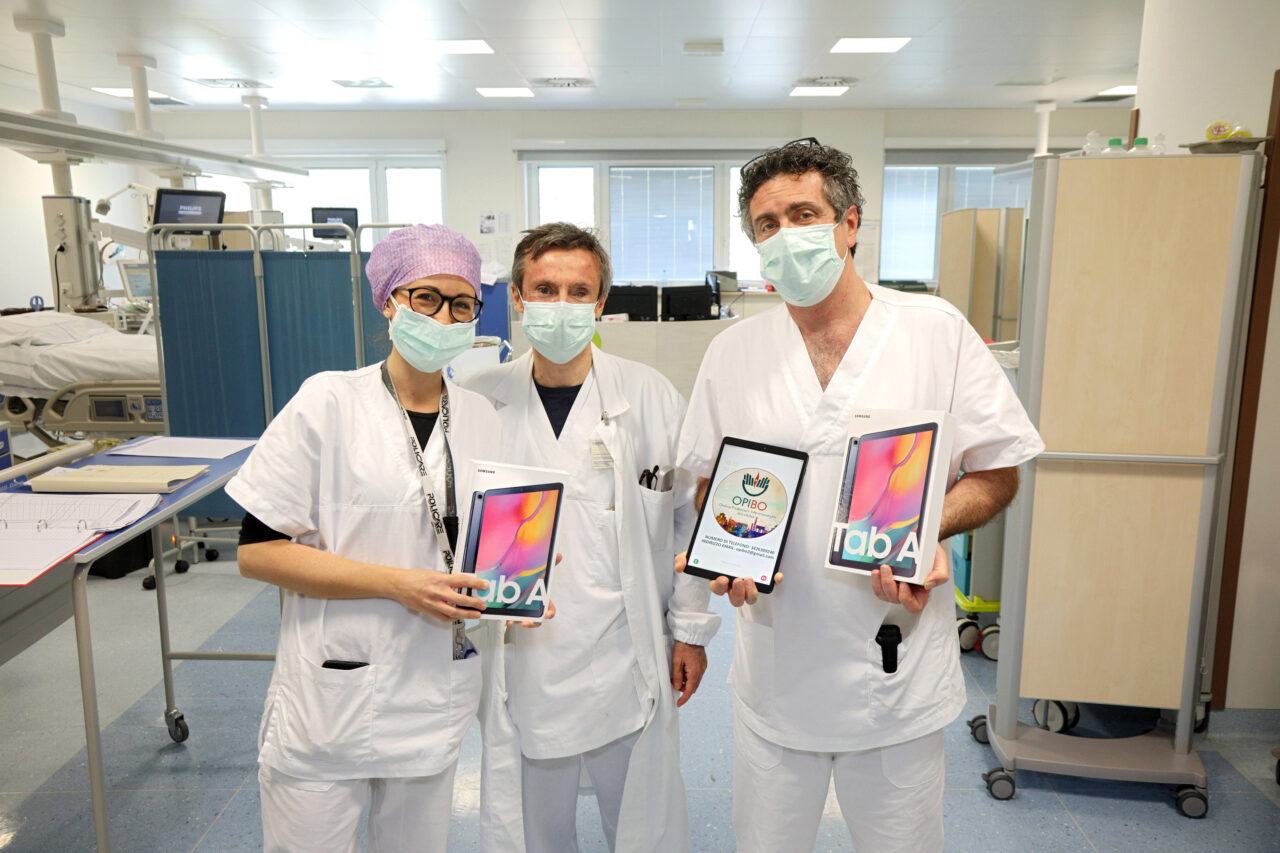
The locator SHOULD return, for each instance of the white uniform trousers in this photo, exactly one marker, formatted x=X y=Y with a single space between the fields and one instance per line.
x=891 y=798
x=304 y=816
x=550 y=793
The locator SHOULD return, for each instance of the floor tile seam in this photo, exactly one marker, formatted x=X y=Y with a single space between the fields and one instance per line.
x=1075 y=821
x=215 y=820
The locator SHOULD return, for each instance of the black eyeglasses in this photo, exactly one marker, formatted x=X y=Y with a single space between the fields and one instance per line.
x=428 y=301
x=807 y=141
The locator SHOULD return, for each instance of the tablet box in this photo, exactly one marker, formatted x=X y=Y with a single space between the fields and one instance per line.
x=889 y=502
x=486 y=477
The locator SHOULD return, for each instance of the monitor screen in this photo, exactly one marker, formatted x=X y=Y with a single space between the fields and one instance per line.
x=344 y=215
x=183 y=207
x=637 y=301
x=136 y=277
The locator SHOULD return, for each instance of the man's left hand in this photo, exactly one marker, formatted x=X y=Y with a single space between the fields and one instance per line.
x=911 y=596
x=688 y=663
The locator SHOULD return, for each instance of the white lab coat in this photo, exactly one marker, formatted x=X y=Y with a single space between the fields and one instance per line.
x=334 y=469
x=644 y=413
x=807 y=673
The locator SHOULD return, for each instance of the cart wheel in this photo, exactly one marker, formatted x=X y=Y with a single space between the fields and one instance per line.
x=1202 y=718
x=1054 y=715
x=181 y=567
x=970 y=633
x=177 y=726
x=1192 y=801
x=1000 y=783
x=211 y=554
x=149 y=582
x=978 y=728
x=990 y=645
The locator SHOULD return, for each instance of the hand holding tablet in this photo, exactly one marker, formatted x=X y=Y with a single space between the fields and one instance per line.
x=744 y=519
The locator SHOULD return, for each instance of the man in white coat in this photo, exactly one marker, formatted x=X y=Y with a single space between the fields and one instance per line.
x=812 y=699
x=593 y=690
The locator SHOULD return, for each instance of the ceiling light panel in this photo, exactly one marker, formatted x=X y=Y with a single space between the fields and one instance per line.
x=1122 y=91
x=818 y=91
x=126 y=93
x=869 y=45
x=505 y=91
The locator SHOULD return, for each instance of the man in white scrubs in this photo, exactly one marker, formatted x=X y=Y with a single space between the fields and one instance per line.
x=594 y=690
x=811 y=695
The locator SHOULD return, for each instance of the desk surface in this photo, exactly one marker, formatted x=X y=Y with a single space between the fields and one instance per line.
x=29 y=612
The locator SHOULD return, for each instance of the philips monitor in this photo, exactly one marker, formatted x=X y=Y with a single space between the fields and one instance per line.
x=336 y=216
x=188 y=207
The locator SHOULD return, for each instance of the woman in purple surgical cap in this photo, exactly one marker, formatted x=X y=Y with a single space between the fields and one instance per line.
x=351 y=497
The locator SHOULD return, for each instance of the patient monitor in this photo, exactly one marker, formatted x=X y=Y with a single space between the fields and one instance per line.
x=136 y=276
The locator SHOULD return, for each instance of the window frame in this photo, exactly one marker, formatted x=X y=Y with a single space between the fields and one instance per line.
x=947 y=163
x=377 y=168
x=717 y=162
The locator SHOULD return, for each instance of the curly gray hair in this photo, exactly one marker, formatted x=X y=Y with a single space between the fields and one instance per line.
x=839 y=178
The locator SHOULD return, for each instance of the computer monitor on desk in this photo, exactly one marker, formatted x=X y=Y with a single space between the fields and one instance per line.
x=692 y=301
x=637 y=301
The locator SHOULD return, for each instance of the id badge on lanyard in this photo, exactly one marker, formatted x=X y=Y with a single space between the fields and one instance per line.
x=440 y=524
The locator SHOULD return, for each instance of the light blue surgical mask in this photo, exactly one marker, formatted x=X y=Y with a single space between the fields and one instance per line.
x=427 y=344
x=559 y=330
x=802 y=263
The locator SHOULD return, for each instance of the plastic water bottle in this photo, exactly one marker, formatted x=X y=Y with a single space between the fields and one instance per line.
x=1158 y=145
x=1139 y=148
x=1092 y=144
x=1115 y=148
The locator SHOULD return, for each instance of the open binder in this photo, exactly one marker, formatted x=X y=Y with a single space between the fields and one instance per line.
x=39 y=531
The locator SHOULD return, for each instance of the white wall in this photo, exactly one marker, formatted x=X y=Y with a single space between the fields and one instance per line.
x=1203 y=61
x=1200 y=62
x=25 y=271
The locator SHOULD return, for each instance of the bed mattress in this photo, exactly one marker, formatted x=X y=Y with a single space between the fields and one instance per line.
x=42 y=352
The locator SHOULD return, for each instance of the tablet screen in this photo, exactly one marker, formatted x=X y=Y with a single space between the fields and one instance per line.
x=747 y=511
x=886 y=480
x=509 y=544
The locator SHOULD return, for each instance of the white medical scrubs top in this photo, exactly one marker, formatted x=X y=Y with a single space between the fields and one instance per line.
x=807 y=672
x=335 y=471
x=573 y=684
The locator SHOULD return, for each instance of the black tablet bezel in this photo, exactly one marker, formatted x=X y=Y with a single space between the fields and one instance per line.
x=836 y=556
x=473 y=539
x=746 y=444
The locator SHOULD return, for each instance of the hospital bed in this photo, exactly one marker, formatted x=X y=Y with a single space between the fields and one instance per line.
x=63 y=375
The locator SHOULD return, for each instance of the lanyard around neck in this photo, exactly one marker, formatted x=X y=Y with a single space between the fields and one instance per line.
x=424 y=476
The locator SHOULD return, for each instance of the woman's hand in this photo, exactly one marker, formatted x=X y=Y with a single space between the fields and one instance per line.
x=436 y=593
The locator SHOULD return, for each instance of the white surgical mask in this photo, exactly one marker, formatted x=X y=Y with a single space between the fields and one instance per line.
x=425 y=342
x=802 y=263
x=559 y=330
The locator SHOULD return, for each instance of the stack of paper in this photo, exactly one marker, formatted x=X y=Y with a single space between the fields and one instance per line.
x=116 y=478
x=39 y=531
x=175 y=447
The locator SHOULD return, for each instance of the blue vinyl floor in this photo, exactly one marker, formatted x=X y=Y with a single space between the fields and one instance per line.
x=202 y=795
